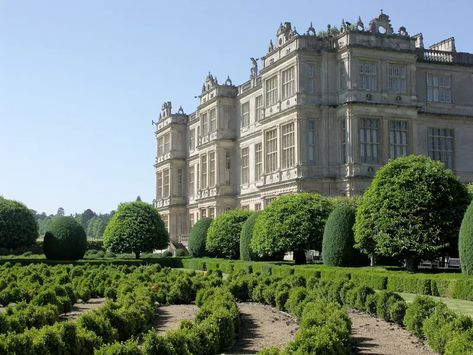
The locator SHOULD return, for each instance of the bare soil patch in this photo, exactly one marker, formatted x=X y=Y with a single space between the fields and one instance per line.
x=260 y=326
x=371 y=335
x=169 y=316
x=82 y=307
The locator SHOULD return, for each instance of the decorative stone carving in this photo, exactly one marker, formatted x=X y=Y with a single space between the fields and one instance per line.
x=402 y=32
x=381 y=25
x=270 y=46
x=210 y=83
x=228 y=82
x=360 y=25
x=285 y=32
x=311 y=30
x=166 y=109
x=180 y=111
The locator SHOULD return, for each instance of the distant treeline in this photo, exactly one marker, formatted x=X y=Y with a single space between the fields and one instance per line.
x=94 y=224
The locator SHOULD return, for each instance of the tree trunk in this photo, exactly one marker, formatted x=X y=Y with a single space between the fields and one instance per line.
x=372 y=260
x=137 y=254
x=411 y=264
x=299 y=257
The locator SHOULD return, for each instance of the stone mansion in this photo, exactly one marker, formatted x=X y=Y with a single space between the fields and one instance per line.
x=322 y=114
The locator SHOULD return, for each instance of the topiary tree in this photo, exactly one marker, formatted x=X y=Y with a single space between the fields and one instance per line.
x=136 y=227
x=412 y=211
x=65 y=239
x=245 y=237
x=223 y=236
x=18 y=227
x=197 y=237
x=291 y=223
x=466 y=242
x=338 y=241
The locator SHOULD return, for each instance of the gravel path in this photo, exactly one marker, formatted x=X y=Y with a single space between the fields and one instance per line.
x=260 y=326
x=375 y=336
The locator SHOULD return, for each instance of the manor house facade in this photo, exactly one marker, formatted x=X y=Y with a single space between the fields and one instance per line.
x=325 y=111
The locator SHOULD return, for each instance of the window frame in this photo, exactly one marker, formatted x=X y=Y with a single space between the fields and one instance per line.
x=442 y=151
x=258 y=161
x=245 y=165
x=368 y=79
x=259 y=108
x=271 y=156
x=288 y=145
x=245 y=114
x=397 y=78
x=398 y=131
x=288 y=83
x=271 y=90
x=369 y=143
x=436 y=92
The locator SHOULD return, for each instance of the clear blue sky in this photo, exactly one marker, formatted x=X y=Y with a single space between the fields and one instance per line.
x=80 y=81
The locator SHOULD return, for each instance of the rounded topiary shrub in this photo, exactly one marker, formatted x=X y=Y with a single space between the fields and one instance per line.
x=291 y=223
x=223 y=236
x=18 y=227
x=338 y=240
x=466 y=242
x=65 y=239
x=197 y=237
x=136 y=227
x=412 y=211
x=245 y=238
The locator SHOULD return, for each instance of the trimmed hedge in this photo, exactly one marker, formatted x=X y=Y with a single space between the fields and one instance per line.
x=223 y=236
x=245 y=237
x=65 y=239
x=450 y=285
x=338 y=240
x=466 y=242
x=197 y=237
x=18 y=227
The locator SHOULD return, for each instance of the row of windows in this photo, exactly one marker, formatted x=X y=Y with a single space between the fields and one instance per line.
x=396 y=74
x=440 y=142
x=287 y=153
x=439 y=86
x=209 y=122
x=163 y=183
x=288 y=86
x=164 y=144
x=205 y=172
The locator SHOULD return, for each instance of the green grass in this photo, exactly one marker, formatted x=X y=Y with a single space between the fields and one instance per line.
x=460 y=306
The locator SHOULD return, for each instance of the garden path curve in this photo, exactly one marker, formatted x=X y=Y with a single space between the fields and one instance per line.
x=372 y=335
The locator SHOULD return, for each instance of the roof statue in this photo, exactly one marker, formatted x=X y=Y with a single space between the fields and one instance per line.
x=254 y=68
x=311 y=30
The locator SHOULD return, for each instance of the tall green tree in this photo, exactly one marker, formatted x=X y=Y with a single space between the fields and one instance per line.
x=412 y=211
x=136 y=227
x=291 y=223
